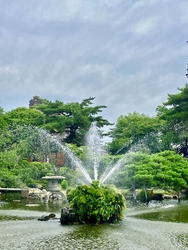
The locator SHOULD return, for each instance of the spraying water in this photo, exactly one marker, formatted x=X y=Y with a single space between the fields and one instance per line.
x=108 y=172
x=49 y=144
x=93 y=141
x=95 y=151
x=74 y=160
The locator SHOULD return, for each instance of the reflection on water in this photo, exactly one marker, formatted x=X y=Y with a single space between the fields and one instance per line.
x=34 y=205
x=173 y=212
x=130 y=234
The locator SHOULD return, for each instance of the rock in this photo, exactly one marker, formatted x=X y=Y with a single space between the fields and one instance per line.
x=168 y=196
x=44 y=218
x=47 y=217
x=51 y=216
x=68 y=216
x=157 y=197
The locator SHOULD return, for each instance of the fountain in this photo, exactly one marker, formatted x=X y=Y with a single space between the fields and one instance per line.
x=131 y=233
x=49 y=144
x=94 y=150
x=107 y=203
x=94 y=202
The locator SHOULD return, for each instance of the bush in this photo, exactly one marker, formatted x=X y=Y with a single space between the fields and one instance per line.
x=96 y=204
x=144 y=196
x=64 y=184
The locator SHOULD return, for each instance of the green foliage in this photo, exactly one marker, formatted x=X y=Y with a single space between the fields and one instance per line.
x=3 y=122
x=24 y=116
x=17 y=172
x=96 y=204
x=175 y=114
x=10 y=196
x=70 y=175
x=78 y=151
x=72 y=118
x=167 y=170
x=176 y=106
x=155 y=165
x=64 y=184
x=31 y=173
x=144 y=195
x=132 y=128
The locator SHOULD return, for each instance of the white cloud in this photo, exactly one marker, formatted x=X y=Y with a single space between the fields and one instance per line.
x=80 y=9
x=9 y=70
x=128 y=54
x=145 y=25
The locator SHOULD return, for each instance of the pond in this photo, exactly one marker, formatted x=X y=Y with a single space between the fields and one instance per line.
x=153 y=227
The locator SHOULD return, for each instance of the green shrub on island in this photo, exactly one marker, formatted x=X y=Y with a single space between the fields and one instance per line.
x=96 y=204
x=64 y=184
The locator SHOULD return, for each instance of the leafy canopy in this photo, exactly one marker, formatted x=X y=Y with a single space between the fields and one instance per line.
x=96 y=204
x=71 y=119
x=175 y=114
x=130 y=129
x=167 y=170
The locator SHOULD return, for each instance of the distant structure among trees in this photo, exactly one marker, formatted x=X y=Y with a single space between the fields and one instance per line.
x=35 y=101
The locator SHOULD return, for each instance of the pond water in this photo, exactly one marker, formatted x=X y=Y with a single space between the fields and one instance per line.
x=153 y=227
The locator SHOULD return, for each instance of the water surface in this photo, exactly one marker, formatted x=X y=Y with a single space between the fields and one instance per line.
x=25 y=232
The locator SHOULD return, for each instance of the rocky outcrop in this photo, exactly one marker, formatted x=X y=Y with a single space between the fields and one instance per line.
x=47 y=217
x=160 y=197
x=68 y=216
x=44 y=195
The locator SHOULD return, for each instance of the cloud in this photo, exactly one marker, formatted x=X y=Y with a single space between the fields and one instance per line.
x=128 y=54
x=145 y=25
x=9 y=70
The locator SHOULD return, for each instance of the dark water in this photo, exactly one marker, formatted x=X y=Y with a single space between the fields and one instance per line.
x=168 y=212
x=157 y=227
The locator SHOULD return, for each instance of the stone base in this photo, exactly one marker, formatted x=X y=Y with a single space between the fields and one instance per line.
x=68 y=216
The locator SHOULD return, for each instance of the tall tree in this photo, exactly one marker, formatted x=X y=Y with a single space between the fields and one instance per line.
x=71 y=119
x=175 y=112
x=166 y=170
x=132 y=128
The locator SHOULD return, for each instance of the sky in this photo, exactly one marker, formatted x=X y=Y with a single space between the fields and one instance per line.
x=128 y=54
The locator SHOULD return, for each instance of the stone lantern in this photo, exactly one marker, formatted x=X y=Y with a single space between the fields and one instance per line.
x=53 y=182
x=53 y=186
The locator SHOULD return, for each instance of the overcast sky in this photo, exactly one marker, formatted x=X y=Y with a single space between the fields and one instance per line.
x=128 y=54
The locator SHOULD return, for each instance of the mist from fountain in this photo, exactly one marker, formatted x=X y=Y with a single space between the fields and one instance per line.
x=93 y=143
x=109 y=171
x=48 y=144
x=68 y=152
x=95 y=150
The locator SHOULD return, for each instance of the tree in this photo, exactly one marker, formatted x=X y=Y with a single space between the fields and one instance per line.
x=72 y=120
x=172 y=171
x=24 y=116
x=167 y=170
x=131 y=129
x=175 y=113
x=3 y=122
x=17 y=147
x=17 y=172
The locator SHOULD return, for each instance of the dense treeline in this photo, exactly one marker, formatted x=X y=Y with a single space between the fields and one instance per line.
x=158 y=144
x=166 y=170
